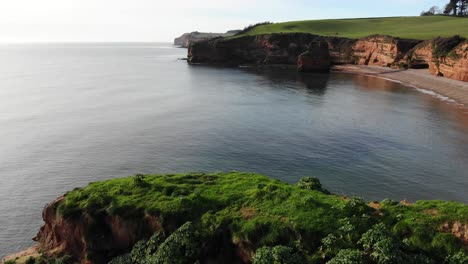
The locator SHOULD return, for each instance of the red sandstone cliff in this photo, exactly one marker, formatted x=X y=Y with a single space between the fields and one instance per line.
x=381 y=50
x=442 y=56
x=91 y=238
x=373 y=50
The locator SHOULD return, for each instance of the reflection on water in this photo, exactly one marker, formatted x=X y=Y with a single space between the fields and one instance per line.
x=72 y=114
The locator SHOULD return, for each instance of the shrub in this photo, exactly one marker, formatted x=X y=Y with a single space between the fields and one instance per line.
x=30 y=260
x=443 y=46
x=377 y=233
x=357 y=206
x=459 y=258
x=139 y=181
x=138 y=253
x=179 y=248
x=446 y=244
x=276 y=255
x=250 y=27
x=311 y=183
x=124 y=259
x=348 y=256
x=383 y=247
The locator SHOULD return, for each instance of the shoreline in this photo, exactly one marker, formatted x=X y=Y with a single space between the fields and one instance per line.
x=446 y=89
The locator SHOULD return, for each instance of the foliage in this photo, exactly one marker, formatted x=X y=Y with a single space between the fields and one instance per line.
x=124 y=259
x=142 y=250
x=348 y=256
x=264 y=213
x=179 y=248
x=443 y=46
x=276 y=255
x=250 y=27
x=419 y=27
x=383 y=246
x=459 y=258
x=311 y=183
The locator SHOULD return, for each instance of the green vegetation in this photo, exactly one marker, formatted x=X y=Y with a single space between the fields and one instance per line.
x=278 y=222
x=425 y=27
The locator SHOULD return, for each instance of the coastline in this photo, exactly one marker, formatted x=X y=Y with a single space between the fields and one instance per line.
x=420 y=79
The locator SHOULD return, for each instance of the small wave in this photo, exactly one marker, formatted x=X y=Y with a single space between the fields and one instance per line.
x=424 y=91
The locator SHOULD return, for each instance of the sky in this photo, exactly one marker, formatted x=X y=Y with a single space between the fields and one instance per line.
x=163 y=20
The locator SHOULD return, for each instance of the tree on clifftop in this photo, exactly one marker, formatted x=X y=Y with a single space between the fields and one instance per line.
x=456 y=8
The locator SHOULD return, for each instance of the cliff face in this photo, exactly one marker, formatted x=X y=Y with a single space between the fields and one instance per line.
x=91 y=239
x=267 y=49
x=442 y=56
x=373 y=50
x=186 y=39
x=455 y=65
x=381 y=50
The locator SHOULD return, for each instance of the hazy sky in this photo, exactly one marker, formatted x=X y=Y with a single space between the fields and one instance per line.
x=162 y=20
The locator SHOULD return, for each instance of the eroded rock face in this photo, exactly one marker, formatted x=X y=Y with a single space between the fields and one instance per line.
x=373 y=50
x=458 y=229
x=85 y=237
x=267 y=49
x=455 y=65
x=317 y=58
x=451 y=64
x=381 y=50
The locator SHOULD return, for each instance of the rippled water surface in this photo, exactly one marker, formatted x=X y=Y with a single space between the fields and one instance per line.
x=75 y=113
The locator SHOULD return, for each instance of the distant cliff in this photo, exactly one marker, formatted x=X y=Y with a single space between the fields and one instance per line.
x=442 y=56
x=187 y=38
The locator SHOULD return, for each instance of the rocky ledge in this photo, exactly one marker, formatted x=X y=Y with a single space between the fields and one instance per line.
x=442 y=56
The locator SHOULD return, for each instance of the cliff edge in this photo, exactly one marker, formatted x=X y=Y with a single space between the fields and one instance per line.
x=242 y=218
x=186 y=39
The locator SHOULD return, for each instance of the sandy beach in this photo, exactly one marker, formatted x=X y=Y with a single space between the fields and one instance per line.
x=417 y=78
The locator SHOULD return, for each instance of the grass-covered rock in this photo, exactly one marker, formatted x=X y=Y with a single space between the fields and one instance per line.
x=240 y=217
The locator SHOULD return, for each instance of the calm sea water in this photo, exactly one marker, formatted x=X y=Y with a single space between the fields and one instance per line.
x=75 y=113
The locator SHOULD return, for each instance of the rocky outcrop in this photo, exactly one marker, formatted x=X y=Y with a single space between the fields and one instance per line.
x=186 y=39
x=381 y=50
x=455 y=64
x=91 y=239
x=444 y=57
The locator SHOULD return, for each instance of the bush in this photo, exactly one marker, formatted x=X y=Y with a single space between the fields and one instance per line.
x=357 y=206
x=459 y=258
x=124 y=259
x=311 y=183
x=250 y=27
x=382 y=245
x=276 y=255
x=179 y=248
x=348 y=256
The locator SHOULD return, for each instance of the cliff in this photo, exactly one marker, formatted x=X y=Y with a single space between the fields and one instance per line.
x=186 y=39
x=377 y=50
x=240 y=218
x=446 y=57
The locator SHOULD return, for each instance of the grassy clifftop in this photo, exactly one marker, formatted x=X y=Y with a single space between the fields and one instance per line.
x=212 y=216
x=422 y=28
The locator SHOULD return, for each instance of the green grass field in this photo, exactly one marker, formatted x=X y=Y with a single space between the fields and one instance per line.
x=404 y=27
